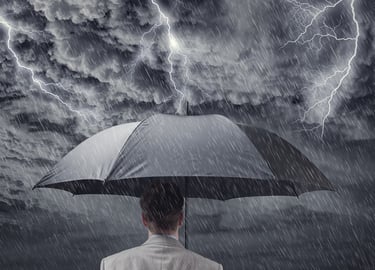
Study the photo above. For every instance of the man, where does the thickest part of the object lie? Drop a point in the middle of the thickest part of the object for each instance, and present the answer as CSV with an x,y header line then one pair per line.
x,y
162,214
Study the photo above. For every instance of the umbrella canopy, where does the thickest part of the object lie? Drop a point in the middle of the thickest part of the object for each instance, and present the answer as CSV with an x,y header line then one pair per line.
x,y
208,156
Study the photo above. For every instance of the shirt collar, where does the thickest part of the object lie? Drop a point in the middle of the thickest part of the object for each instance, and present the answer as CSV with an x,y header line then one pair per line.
x,y
163,239
169,235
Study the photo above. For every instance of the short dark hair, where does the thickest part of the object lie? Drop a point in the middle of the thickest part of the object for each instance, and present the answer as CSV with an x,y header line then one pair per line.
x,y
162,204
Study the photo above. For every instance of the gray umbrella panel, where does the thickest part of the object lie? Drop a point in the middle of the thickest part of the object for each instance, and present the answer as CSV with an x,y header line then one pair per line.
x,y
93,159
287,162
208,156
178,146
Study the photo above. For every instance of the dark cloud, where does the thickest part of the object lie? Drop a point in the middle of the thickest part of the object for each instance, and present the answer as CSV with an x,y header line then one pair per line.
x,y
90,54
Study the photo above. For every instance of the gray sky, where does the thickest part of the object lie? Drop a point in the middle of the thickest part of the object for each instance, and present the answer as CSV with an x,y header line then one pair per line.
x,y
99,69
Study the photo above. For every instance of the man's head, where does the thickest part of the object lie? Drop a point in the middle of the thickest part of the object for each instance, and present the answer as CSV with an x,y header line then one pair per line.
x,y
162,208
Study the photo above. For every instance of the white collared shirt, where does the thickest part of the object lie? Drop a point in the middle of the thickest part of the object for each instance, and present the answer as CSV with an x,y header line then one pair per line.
x,y
169,235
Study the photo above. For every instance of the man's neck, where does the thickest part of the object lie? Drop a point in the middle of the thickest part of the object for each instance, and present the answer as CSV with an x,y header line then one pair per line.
x,y
173,234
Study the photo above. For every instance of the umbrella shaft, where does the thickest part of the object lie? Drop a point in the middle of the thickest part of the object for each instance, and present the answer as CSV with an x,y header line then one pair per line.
x,y
185,213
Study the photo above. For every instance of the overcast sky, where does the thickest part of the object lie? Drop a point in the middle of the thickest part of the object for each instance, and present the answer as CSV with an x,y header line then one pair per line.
x,y
99,63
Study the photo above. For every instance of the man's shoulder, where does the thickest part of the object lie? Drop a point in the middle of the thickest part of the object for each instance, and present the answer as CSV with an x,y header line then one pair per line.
x,y
124,254
123,257
138,254
202,262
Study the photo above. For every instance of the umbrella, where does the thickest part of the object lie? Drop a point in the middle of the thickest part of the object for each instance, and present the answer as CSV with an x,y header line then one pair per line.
x,y
207,156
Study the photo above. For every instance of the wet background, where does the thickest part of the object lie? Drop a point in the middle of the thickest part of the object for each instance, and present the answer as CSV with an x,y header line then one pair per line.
x,y
104,73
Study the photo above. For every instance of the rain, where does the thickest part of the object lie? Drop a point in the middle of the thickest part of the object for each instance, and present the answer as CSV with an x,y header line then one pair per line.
x,y
302,70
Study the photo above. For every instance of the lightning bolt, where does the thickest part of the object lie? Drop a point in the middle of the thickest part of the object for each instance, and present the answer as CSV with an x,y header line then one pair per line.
x,y
41,84
173,48
340,74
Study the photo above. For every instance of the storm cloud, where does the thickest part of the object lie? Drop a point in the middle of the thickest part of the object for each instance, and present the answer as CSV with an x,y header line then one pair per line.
x,y
99,69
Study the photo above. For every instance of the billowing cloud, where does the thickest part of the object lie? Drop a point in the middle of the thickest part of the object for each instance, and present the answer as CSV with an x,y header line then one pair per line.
x,y
92,56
